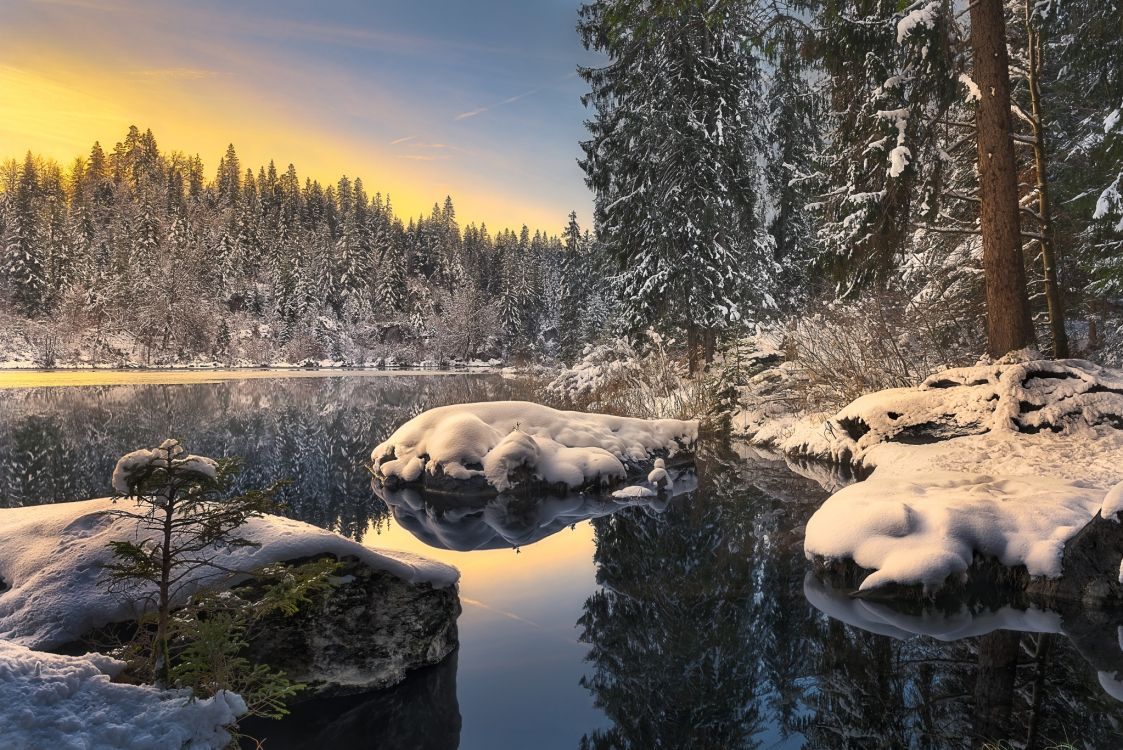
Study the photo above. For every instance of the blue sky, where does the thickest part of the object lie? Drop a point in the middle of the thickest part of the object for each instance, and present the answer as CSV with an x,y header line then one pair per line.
x,y
421,99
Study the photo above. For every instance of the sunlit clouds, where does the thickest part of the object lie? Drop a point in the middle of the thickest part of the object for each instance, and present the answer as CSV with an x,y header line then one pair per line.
x,y
418,101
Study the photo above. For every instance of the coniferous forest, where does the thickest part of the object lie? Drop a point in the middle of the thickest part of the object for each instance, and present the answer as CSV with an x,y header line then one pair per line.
x,y
752,164
137,256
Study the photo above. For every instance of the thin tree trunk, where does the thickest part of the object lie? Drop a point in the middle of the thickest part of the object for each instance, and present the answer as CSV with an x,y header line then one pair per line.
x,y
1054,295
1008,320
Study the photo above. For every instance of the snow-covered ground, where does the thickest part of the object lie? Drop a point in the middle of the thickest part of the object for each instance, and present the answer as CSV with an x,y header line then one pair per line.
x,y
69,703
496,442
52,555
1007,460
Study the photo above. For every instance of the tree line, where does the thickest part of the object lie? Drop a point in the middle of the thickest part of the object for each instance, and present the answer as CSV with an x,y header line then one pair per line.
x,y
137,247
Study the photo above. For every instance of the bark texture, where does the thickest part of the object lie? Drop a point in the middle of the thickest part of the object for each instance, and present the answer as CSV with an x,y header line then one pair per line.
x,y
1008,319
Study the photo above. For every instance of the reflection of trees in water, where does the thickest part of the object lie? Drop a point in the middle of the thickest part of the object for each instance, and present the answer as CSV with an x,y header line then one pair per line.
x,y
61,443
668,628
702,637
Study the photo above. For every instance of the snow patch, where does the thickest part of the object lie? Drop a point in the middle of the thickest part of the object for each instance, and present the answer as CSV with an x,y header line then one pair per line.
x,y
69,703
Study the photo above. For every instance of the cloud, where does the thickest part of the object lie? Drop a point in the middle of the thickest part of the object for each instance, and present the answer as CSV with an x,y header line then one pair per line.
x,y
424,157
177,74
508,100
471,113
405,139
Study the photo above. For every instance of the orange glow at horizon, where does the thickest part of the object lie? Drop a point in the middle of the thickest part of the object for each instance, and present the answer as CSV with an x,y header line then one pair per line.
x,y
55,102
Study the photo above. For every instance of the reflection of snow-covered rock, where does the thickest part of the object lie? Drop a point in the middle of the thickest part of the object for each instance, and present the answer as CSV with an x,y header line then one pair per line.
x,y
400,609
517,446
1095,636
505,521
52,701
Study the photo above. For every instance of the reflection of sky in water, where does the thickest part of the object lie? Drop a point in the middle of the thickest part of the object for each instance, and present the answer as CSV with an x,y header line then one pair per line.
x,y
520,661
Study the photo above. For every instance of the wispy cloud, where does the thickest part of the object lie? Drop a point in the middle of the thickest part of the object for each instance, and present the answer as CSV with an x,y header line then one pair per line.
x,y
508,100
471,113
404,139
177,74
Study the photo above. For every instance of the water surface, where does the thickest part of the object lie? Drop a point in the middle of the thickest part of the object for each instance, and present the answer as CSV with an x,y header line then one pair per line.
x,y
681,624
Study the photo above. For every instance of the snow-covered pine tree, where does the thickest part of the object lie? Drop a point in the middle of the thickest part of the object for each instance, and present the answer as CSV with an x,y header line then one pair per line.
x,y
672,160
794,112
572,302
24,261
890,76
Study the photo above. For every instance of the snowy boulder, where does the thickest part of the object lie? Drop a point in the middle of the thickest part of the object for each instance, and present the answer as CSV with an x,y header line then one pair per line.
x,y
52,701
517,446
929,528
1038,396
389,612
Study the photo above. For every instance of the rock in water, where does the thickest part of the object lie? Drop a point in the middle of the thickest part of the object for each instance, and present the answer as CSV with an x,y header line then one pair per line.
x,y
517,446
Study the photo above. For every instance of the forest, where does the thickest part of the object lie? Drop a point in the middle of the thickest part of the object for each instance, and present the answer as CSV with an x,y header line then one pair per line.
x,y
810,168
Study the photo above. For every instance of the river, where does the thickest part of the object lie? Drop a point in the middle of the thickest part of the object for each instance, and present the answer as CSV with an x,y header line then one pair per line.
x,y
586,624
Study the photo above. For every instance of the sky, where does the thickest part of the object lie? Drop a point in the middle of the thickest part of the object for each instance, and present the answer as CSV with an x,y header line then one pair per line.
x,y
420,98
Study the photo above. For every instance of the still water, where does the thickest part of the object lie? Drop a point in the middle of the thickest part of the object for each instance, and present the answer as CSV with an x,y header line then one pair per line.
x,y
589,624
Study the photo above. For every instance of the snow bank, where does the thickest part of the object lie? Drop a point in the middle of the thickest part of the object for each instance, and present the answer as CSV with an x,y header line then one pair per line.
x,y
1007,461
51,558
925,528
69,703
1062,397
498,443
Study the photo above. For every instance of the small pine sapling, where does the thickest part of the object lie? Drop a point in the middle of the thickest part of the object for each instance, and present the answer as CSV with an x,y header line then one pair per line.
x,y
182,518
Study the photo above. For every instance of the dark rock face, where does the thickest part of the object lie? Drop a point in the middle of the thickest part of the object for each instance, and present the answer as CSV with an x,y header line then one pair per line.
x,y
421,713
365,634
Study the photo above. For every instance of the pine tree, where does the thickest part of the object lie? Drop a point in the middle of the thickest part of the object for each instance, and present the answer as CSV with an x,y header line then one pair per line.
x,y
572,301
24,261
672,161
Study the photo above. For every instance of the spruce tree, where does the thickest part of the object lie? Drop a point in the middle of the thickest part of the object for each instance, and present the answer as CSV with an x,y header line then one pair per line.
x,y
671,159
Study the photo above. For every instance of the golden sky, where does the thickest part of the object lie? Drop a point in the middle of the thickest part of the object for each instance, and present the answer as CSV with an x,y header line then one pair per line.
x,y
418,99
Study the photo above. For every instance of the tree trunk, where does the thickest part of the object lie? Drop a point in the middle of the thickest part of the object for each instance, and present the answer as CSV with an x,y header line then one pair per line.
x,y
1008,321
1054,295
995,678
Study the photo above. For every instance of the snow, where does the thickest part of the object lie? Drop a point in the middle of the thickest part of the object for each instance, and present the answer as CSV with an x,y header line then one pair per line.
x,y
69,703
924,16
924,528
139,461
973,92
1006,460
52,555
634,492
491,440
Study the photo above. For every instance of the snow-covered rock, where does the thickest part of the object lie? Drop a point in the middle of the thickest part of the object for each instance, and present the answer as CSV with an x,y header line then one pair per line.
x,y
925,528
69,703
1061,397
510,446
1010,462
51,559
